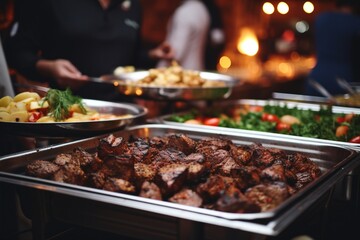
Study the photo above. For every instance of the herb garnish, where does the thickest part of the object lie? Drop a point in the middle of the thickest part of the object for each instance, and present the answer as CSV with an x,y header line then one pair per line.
x,y
60,103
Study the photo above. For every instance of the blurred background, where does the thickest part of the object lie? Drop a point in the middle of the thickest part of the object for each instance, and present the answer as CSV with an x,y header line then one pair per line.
x,y
265,41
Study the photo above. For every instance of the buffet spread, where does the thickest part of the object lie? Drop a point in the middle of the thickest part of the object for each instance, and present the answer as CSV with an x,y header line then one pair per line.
x,y
250,165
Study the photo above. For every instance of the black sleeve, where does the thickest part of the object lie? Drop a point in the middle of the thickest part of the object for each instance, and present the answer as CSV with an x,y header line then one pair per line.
x,y
23,46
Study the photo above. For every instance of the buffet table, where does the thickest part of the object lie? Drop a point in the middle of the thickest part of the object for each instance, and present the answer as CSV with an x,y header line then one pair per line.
x,y
63,211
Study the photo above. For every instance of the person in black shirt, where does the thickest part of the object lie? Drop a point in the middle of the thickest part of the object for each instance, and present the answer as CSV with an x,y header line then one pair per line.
x,y
67,41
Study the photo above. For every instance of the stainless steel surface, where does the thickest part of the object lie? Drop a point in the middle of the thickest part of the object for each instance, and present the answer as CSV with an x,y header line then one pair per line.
x,y
334,160
299,97
255,102
130,88
78,129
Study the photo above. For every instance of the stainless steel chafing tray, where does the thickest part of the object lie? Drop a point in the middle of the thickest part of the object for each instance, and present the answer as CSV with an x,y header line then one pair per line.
x,y
130,113
334,161
255,102
127,85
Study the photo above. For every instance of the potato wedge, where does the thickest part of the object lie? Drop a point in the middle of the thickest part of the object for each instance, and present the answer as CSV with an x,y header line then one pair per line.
x,y
4,117
21,116
24,95
4,101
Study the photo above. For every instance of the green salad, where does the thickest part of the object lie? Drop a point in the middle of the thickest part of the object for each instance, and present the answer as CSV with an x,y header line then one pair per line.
x,y
322,124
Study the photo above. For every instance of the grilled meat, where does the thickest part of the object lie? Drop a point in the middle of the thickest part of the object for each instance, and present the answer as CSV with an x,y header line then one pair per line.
x,y
70,173
112,145
182,143
42,169
211,172
187,197
171,178
268,195
119,185
150,190
233,200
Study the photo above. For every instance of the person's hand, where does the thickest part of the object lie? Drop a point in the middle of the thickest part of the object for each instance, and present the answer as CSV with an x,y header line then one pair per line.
x,y
65,73
163,51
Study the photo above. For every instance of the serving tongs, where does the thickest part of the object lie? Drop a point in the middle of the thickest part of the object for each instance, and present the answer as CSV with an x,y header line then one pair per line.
x,y
321,89
346,86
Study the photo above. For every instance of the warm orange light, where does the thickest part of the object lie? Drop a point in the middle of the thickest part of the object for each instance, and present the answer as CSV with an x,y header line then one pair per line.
x,y
283,8
138,92
286,70
308,7
225,62
248,43
268,8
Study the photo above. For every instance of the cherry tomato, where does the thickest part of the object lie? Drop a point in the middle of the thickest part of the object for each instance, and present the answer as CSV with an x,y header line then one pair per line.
x,y
211,121
355,139
255,108
34,116
199,119
281,127
340,119
341,130
348,117
269,117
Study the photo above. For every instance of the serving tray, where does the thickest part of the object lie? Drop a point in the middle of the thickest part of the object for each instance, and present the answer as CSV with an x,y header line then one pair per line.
x,y
165,119
79,129
126,84
334,160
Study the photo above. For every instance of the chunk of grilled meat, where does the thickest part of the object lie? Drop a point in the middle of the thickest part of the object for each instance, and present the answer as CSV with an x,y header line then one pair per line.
x,y
171,178
164,157
144,172
233,200
42,169
264,157
241,154
187,197
120,166
138,148
119,185
301,163
268,195
273,173
112,145
150,190
212,189
249,175
215,142
70,173
182,143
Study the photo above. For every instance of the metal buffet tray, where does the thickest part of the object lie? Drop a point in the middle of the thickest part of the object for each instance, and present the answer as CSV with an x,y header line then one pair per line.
x,y
334,160
255,102
79,129
126,84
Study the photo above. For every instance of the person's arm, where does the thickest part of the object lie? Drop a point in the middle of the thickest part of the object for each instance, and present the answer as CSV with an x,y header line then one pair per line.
x,y
63,71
